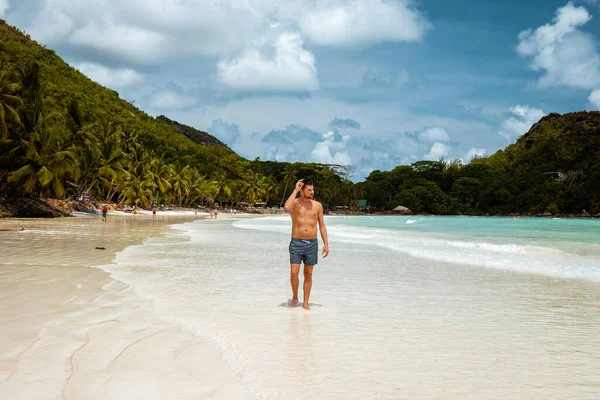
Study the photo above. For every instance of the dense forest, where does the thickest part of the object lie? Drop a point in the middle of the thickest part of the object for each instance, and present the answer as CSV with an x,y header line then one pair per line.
x,y
64,136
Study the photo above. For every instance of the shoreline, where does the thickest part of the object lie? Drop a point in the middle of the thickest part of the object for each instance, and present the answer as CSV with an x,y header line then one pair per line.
x,y
74,331
18,208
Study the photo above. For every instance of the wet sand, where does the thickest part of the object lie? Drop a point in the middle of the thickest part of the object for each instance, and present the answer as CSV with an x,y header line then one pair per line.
x,y
70,331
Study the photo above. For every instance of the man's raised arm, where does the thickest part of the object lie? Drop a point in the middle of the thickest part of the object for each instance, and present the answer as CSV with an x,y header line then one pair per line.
x,y
289,204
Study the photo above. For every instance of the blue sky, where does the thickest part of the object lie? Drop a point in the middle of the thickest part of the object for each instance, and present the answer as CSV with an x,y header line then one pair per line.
x,y
370,83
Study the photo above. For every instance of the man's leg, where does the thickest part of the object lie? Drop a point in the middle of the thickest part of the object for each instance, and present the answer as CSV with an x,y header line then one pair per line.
x,y
294,272
308,271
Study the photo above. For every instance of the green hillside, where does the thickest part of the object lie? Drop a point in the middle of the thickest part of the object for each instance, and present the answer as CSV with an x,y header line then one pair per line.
x,y
558,162
554,168
61,85
64,135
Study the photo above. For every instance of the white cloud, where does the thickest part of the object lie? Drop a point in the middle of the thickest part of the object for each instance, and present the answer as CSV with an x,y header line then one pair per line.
x,y
218,28
594,98
170,99
435,134
363,22
520,120
4,5
226,132
292,68
475,151
250,38
379,129
437,151
148,31
109,77
124,41
324,152
278,153
566,55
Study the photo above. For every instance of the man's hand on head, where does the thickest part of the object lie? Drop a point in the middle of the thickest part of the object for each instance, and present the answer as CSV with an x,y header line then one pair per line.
x,y
299,185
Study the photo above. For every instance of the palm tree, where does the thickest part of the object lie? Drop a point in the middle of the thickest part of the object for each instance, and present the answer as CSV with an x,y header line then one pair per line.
x,y
138,183
180,182
223,187
137,191
46,161
161,173
270,188
31,93
112,156
101,157
254,187
289,175
201,188
9,102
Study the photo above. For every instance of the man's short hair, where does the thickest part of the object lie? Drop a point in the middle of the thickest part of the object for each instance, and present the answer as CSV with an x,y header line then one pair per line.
x,y
307,182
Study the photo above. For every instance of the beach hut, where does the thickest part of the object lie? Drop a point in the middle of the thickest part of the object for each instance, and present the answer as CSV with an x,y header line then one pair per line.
x,y
402,210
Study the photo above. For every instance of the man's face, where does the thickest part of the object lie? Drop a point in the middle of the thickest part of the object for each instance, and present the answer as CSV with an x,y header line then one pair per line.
x,y
308,191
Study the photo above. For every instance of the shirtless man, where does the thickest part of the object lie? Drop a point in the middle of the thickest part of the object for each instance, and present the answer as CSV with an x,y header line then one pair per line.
x,y
304,246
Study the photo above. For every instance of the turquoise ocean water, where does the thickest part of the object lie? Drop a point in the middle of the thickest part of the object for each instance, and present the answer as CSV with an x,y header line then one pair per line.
x,y
551,246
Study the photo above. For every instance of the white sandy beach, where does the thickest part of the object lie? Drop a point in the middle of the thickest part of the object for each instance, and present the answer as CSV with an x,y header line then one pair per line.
x,y
72,332
197,311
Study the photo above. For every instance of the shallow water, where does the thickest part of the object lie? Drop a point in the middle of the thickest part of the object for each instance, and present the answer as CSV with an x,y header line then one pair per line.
x,y
403,307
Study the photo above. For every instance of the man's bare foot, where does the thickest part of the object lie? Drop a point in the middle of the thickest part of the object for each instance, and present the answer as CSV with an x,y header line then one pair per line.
x,y
294,302
305,306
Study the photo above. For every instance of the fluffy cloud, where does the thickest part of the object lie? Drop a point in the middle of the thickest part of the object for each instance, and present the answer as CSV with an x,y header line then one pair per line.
x,y
359,23
226,132
566,55
406,148
4,4
325,151
125,42
293,133
435,134
594,98
277,153
111,77
475,151
148,31
519,121
437,151
170,97
292,68
299,144
206,27
257,43
169,100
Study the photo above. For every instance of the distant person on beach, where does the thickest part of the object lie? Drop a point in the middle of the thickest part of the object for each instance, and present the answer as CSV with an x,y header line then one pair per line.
x,y
304,246
104,212
154,212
